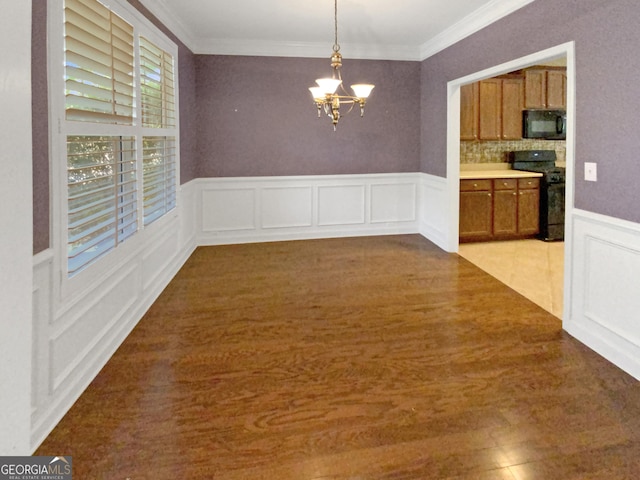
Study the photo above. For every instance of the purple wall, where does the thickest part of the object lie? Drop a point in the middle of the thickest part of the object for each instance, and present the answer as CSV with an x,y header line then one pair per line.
x,y
256,117
40,126
607,89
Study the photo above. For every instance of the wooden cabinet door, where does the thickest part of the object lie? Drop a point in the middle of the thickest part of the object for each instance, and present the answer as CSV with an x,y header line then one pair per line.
x,y
469,111
476,208
528,206
490,94
505,207
512,105
535,88
557,89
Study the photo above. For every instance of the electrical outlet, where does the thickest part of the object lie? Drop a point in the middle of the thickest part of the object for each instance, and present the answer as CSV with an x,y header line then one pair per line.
x,y
591,172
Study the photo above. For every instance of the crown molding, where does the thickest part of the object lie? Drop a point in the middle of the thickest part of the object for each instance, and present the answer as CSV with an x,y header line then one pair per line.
x,y
217,46
163,13
472,23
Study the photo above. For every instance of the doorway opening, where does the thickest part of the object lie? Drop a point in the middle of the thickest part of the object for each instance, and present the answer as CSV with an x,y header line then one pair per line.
x,y
511,266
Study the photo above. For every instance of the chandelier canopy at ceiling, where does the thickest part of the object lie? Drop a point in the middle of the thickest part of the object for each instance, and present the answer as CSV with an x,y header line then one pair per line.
x,y
324,94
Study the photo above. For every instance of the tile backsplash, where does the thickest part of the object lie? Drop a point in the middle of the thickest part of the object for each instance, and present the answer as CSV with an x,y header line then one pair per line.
x,y
498,151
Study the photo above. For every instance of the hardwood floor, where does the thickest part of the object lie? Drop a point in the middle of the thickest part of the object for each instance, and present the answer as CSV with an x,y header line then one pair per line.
x,y
359,358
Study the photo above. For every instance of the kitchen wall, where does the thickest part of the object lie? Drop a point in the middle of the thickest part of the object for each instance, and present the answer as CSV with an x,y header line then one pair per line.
x,y
606,46
498,151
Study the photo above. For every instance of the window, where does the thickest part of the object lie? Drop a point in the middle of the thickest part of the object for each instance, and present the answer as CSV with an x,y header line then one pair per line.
x,y
159,176
158,112
119,128
99,63
97,167
156,76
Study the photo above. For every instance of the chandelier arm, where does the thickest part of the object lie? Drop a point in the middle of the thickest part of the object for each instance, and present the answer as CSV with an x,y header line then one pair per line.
x,y
353,104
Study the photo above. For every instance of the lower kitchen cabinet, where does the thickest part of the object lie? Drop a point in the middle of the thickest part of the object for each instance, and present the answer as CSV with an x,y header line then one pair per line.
x,y
477,204
499,208
505,206
528,206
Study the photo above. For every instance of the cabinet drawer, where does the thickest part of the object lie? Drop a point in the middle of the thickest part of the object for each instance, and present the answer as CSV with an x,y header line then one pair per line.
x,y
475,185
524,183
505,183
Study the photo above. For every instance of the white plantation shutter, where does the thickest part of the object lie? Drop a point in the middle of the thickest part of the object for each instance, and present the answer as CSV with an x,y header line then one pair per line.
x,y
157,86
159,176
158,113
99,64
102,196
117,127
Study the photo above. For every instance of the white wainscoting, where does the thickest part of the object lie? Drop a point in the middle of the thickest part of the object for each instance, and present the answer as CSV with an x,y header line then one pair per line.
x,y
74,336
259,209
433,209
604,271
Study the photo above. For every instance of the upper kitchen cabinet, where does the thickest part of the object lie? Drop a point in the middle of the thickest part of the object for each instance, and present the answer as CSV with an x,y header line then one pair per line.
x,y
557,89
490,127
512,106
500,108
469,111
492,109
545,88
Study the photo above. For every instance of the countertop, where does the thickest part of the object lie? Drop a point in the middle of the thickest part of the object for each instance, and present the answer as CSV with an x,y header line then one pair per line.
x,y
493,170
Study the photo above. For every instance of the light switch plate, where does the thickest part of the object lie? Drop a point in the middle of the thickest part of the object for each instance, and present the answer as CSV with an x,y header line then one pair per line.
x,y
591,172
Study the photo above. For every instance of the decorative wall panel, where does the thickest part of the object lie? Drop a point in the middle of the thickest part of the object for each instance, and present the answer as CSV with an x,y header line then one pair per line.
x,y
604,271
341,205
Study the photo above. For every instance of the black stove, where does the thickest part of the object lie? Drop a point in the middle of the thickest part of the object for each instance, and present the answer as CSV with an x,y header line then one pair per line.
x,y
552,189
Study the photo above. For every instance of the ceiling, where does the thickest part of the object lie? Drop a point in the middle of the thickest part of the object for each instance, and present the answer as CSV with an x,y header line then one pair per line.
x,y
369,29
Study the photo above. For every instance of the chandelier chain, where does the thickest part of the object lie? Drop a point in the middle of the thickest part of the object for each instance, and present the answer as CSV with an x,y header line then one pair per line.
x,y
336,45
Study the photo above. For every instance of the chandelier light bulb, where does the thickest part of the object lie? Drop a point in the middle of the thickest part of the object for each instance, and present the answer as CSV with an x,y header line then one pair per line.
x,y
317,93
362,90
328,85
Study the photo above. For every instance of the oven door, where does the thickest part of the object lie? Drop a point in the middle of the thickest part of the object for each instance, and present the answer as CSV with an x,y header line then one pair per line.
x,y
552,203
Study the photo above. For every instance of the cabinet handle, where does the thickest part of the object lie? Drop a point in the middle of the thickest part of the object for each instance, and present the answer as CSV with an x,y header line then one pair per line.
x,y
475,185
516,193
505,184
489,194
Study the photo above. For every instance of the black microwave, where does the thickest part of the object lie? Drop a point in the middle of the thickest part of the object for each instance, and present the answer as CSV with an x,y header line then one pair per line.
x,y
545,124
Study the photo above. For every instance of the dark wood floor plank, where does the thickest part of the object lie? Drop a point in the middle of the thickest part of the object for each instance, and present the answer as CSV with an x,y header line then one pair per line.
x,y
359,358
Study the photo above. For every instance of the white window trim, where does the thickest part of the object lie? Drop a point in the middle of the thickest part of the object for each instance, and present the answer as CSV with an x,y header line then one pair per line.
x,y
67,288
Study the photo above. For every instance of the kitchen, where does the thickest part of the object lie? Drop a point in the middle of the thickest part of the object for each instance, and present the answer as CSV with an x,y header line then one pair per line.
x,y
512,179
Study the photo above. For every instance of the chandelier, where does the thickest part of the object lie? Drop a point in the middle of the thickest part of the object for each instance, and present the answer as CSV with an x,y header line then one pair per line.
x,y
324,95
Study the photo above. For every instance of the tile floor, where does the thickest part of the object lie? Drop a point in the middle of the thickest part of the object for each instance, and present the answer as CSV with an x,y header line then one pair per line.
x,y
533,268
